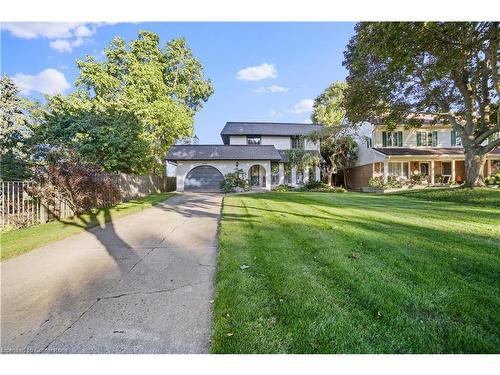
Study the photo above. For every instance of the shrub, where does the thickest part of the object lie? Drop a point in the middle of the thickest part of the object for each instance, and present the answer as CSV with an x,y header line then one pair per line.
x,y
493,180
282,188
377,182
392,182
320,187
235,182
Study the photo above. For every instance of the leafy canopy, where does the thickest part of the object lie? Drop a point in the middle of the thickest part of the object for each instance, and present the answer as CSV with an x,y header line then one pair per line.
x,y
130,107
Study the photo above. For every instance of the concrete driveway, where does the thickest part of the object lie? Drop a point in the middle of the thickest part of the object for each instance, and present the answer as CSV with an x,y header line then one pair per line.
x,y
142,284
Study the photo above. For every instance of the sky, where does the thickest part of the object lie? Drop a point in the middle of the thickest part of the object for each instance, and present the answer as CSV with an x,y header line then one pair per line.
x,y
260,71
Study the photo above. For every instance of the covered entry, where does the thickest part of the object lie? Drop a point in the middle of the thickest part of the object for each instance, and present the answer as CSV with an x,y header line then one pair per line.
x,y
203,178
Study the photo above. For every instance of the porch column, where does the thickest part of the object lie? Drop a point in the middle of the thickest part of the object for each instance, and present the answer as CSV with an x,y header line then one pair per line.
x,y
294,176
281,174
452,171
432,172
317,173
306,175
490,173
401,173
386,170
268,176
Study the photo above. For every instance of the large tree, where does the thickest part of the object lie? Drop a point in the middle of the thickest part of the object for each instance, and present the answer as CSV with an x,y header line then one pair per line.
x,y
447,69
18,117
338,146
131,106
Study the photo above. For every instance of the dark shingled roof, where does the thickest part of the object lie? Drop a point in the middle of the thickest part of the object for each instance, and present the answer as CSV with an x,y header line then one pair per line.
x,y
401,151
284,155
223,152
266,128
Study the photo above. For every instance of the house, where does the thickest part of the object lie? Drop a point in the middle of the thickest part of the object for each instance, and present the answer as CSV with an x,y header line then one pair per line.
x,y
432,152
260,149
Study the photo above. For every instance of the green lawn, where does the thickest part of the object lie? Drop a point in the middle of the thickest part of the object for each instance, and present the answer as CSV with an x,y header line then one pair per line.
x,y
357,273
20,241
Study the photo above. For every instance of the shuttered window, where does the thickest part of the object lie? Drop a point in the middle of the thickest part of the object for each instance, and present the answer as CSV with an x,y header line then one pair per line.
x,y
392,139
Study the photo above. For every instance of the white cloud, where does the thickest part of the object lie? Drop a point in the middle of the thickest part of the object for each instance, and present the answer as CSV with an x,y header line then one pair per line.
x,y
304,106
49,81
63,36
275,113
257,73
272,88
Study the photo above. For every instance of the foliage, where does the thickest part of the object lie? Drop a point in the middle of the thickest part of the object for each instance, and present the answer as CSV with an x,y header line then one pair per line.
x,y
418,178
357,273
449,70
301,159
18,118
493,180
378,182
320,187
83,185
235,182
282,188
337,143
131,106
23,240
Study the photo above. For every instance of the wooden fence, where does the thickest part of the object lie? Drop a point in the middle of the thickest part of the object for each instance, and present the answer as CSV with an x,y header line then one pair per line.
x,y
18,208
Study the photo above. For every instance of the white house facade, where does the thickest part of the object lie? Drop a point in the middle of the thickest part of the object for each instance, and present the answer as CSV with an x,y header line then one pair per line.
x,y
432,151
259,149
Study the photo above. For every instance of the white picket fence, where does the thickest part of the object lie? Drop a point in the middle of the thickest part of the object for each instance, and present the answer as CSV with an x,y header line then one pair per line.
x,y
19,208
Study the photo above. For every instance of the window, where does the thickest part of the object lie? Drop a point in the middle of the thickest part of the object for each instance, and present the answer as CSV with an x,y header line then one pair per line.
x,y
297,141
394,169
392,139
253,140
446,168
455,139
369,143
406,170
299,177
427,139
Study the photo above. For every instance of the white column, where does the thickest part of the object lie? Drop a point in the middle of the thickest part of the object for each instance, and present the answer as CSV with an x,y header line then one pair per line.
x,y
294,176
306,175
386,170
452,171
401,174
268,176
318,173
432,172
490,173
281,174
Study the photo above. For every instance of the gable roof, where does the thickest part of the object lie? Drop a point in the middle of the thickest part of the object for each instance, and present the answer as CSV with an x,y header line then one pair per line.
x,y
266,128
222,152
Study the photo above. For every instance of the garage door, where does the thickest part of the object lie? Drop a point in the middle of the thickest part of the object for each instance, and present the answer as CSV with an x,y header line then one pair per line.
x,y
203,178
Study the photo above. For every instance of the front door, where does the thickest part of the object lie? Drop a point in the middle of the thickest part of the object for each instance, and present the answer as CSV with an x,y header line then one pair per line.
x,y
254,175
424,169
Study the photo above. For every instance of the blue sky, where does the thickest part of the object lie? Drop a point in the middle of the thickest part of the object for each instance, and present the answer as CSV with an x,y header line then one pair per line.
x,y
290,63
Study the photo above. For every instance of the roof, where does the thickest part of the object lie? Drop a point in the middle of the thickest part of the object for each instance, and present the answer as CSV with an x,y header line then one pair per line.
x,y
223,152
284,155
266,128
401,151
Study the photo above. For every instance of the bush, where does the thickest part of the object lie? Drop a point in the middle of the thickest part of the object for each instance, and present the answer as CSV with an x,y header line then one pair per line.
x,y
392,182
378,182
282,188
320,187
493,180
235,182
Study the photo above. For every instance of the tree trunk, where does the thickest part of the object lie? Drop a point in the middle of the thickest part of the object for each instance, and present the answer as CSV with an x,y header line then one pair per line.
x,y
474,163
329,178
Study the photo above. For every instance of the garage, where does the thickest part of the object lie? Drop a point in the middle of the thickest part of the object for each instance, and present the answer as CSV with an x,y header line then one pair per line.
x,y
203,178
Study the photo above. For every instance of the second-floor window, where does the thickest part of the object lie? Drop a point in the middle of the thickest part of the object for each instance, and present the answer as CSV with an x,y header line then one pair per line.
x,y
392,139
427,139
297,141
253,140
455,139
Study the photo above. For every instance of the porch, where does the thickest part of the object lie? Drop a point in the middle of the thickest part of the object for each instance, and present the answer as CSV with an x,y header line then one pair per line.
x,y
285,174
428,171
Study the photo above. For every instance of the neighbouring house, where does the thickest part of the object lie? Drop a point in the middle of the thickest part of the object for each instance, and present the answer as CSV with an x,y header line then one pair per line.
x,y
259,149
432,153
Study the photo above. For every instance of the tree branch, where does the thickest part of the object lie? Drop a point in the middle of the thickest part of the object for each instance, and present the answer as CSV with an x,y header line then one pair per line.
x,y
490,146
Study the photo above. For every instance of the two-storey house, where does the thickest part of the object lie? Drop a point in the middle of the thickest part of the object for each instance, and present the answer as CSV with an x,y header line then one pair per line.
x,y
259,149
433,152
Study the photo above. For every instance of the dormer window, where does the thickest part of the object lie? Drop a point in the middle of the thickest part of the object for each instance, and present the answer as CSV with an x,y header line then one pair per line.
x,y
297,142
253,140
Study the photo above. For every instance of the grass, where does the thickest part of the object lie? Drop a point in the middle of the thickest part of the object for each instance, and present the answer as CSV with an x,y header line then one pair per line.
x,y
358,273
20,241
487,197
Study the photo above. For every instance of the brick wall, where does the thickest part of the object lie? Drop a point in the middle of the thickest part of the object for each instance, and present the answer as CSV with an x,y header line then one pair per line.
x,y
359,176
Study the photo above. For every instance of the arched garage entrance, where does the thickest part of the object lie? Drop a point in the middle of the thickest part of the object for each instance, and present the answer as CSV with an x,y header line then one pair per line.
x,y
203,178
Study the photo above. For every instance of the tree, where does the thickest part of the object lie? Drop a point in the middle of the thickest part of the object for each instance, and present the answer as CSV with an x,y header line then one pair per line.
x,y
447,69
130,107
338,146
18,117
